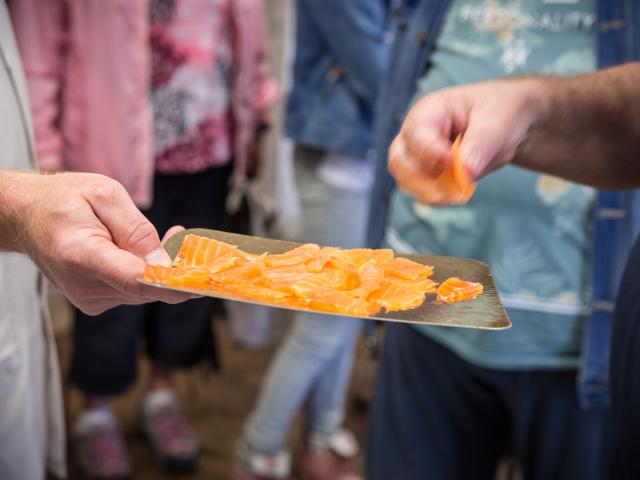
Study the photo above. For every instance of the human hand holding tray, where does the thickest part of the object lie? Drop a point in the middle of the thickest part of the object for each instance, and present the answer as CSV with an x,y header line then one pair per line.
x,y
484,312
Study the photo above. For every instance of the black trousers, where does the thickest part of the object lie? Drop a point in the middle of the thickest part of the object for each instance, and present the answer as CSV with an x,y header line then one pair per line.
x,y
435,416
177,336
625,373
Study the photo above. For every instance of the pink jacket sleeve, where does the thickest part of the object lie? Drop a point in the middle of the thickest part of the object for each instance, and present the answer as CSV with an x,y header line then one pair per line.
x,y
266,89
41,34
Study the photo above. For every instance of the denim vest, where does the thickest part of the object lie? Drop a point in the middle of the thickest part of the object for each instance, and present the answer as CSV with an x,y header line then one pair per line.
x,y
341,58
617,214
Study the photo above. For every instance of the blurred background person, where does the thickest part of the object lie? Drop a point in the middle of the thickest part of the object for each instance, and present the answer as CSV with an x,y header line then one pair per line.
x,y
88,67
450,403
339,62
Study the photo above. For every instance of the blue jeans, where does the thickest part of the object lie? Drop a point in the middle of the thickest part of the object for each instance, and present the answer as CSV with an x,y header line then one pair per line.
x,y
436,416
314,362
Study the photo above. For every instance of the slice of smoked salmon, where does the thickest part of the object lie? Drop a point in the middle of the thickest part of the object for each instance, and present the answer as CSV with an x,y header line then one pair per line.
x,y
195,277
360,256
281,278
188,277
297,256
157,273
371,276
456,180
346,278
187,251
344,304
311,286
197,250
325,254
427,285
354,282
407,269
223,263
250,273
322,297
395,297
340,261
293,302
466,187
454,290
256,292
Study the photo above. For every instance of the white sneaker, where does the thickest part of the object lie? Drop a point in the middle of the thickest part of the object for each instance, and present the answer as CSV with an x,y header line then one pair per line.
x,y
99,447
343,443
172,440
253,465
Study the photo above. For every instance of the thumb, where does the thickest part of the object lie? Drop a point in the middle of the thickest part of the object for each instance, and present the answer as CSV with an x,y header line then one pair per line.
x,y
171,232
160,256
484,143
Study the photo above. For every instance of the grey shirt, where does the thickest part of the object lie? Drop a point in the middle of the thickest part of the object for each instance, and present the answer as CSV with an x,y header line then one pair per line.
x,y
31,415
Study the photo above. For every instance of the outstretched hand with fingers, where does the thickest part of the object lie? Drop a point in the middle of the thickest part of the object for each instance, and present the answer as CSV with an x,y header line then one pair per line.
x,y
493,123
86,235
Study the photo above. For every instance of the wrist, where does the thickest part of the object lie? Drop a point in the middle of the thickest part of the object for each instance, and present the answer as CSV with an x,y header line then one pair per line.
x,y
534,100
17,197
538,100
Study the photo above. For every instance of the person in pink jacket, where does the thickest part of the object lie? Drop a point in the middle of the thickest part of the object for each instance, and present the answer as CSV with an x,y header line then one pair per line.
x,y
176,124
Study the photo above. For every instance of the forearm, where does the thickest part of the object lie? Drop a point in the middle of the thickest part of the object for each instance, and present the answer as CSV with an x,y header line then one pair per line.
x,y
587,129
14,207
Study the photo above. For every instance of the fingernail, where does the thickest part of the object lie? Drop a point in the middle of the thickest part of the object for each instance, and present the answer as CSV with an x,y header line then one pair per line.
x,y
194,296
158,257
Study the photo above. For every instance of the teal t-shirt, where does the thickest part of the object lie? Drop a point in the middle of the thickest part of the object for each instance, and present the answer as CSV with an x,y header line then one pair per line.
x,y
532,229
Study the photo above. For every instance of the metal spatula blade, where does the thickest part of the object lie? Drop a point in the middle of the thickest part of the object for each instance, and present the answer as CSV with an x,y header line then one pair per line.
x,y
485,312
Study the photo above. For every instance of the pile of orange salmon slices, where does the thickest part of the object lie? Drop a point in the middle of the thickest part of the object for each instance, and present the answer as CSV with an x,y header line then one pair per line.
x,y
356,282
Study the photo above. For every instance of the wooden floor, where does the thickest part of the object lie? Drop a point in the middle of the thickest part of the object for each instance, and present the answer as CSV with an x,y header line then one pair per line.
x,y
215,403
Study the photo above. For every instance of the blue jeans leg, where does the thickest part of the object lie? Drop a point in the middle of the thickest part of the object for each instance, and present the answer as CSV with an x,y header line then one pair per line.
x,y
314,363
315,344
326,400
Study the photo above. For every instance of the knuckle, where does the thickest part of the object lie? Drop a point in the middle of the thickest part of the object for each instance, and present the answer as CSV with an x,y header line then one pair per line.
x,y
395,157
105,188
421,151
102,192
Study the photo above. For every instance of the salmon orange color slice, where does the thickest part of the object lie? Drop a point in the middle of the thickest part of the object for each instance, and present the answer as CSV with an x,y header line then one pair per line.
x,y
357,282
394,297
456,180
188,277
301,254
407,269
455,290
